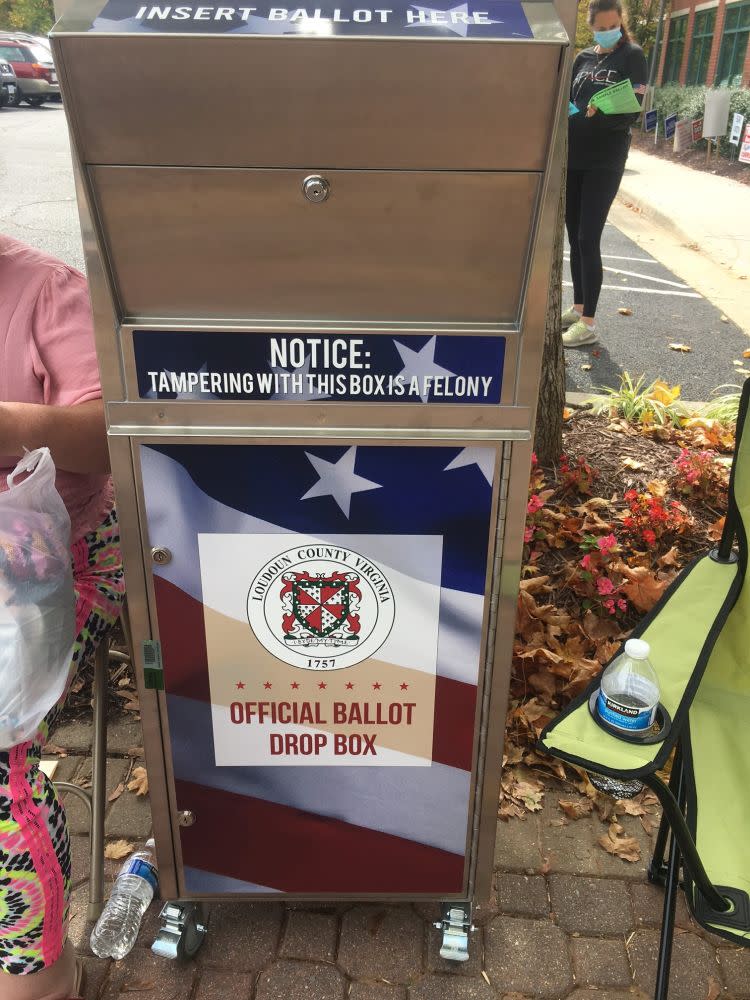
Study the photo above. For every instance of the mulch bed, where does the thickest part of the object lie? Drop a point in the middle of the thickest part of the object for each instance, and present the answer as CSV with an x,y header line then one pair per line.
x,y
695,157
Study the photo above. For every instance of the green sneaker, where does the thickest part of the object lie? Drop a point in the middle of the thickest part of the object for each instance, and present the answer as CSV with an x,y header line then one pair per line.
x,y
579,335
568,318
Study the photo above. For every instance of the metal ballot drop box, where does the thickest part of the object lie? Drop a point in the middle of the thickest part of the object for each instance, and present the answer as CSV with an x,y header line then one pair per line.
x,y
318,242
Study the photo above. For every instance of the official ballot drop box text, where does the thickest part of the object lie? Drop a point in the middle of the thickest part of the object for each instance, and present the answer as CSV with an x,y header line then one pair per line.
x,y
318,242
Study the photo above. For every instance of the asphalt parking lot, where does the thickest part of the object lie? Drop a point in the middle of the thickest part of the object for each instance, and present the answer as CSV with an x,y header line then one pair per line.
x,y
38,206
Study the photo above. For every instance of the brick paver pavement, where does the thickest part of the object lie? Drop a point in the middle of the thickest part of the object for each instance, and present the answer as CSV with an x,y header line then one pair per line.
x,y
566,920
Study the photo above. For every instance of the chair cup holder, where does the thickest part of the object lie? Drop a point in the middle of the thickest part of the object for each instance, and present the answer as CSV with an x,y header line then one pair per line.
x,y
656,734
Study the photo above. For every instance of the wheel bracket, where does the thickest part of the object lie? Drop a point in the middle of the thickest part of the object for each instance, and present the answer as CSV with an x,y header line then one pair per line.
x,y
456,926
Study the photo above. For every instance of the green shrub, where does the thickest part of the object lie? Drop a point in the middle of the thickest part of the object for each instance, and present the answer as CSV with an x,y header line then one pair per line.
x,y
689,102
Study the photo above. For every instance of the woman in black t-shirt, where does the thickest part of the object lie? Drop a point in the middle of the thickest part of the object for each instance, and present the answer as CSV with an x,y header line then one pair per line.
x,y
597,149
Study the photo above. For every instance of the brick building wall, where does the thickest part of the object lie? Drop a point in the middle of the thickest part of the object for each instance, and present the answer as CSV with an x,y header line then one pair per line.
x,y
690,8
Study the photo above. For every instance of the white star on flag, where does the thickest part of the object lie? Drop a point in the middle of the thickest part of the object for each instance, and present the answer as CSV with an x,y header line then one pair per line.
x,y
420,363
484,458
459,27
339,480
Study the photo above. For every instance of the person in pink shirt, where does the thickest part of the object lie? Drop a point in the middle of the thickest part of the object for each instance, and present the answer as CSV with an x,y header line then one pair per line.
x,y
50,395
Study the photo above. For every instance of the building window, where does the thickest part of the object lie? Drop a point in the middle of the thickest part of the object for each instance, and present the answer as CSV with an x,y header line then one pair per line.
x,y
733,45
675,49
700,47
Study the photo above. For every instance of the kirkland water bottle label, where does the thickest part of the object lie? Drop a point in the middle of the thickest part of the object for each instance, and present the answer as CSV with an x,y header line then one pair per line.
x,y
633,717
144,870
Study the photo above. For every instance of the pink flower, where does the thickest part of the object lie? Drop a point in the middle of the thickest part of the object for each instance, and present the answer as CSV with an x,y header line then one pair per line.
x,y
586,562
607,543
605,586
535,503
528,535
622,604
610,606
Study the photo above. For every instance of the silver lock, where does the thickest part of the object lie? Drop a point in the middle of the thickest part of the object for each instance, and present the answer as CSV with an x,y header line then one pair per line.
x,y
161,556
315,188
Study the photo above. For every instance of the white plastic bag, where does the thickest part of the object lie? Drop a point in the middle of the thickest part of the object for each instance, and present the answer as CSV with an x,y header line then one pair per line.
x,y
37,599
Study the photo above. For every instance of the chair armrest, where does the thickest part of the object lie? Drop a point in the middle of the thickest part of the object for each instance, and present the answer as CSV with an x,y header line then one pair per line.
x,y
681,631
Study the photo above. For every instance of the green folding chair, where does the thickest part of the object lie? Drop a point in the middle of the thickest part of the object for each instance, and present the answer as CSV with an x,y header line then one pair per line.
x,y
699,634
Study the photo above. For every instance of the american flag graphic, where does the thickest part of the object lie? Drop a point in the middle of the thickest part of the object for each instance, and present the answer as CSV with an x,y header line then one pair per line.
x,y
423,512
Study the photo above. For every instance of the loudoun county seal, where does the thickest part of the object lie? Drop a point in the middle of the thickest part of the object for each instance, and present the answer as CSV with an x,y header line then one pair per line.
x,y
321,607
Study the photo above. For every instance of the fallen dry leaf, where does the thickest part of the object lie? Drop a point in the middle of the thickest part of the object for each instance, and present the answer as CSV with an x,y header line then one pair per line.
x,y
116,850
576,808
139,782
643,588
585,368
714,989
662,392
723,319
632,463
680,347
138,986
714,531
623,311
57,751
567,413
486,977
746,354
116,793
622,847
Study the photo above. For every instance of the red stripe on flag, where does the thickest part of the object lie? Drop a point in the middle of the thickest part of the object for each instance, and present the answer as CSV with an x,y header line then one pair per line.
x,y
182,634
453,736
294,851
183,641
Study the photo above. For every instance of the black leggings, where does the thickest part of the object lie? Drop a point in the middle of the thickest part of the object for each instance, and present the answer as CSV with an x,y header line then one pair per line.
x,y
589,197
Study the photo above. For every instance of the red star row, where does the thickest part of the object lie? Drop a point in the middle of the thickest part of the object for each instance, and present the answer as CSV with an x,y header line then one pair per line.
x,y
322,685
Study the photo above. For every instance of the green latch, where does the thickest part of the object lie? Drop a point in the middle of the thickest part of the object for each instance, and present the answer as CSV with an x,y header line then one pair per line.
x,y
153,669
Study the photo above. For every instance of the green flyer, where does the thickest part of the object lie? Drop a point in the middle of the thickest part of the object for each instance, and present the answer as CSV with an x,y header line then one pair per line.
x,y
618,99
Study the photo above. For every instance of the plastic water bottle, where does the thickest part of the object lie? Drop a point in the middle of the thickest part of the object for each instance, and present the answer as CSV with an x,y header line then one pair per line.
x,y
117,928
629,690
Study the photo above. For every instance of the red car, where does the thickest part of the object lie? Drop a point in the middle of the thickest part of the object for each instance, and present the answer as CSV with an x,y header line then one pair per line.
x,y
35,71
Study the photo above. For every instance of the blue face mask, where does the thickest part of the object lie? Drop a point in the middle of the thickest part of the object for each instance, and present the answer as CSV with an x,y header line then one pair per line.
x,y
608,39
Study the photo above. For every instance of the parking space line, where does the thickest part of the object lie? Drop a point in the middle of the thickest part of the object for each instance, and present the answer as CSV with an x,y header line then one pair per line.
x,y
648,291
647,277
615,256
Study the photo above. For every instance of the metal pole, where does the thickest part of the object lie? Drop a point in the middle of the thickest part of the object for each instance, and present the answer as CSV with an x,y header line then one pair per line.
x,y
654,52
98,781
670,898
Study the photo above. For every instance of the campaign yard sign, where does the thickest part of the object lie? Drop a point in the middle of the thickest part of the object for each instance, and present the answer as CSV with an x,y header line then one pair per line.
x,y
650,119
670,124
744,156
736,132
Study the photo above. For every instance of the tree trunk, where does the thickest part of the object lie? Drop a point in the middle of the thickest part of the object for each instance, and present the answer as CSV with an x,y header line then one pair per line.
x,y
549,414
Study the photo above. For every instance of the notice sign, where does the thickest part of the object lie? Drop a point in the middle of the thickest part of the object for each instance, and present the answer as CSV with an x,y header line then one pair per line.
x,y
670,124
336,659
650,119
366,368
482,19
697,129
744,156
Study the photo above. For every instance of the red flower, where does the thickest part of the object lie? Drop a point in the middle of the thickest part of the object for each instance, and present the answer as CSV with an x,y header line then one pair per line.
x,y
606,544
535,503
649,536
605,586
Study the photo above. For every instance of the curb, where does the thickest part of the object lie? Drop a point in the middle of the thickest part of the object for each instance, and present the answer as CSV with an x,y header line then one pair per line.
x,y
646,208
579,400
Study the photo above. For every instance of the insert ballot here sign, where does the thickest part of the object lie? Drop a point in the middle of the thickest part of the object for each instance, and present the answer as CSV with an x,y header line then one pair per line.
x,y
480,19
